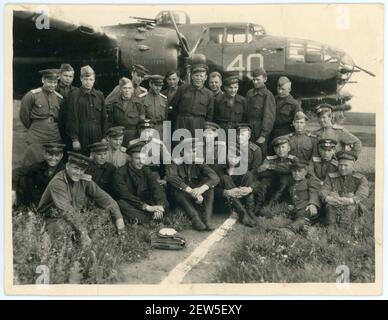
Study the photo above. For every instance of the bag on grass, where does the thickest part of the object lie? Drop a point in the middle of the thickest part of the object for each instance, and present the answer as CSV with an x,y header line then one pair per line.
x,y
168,239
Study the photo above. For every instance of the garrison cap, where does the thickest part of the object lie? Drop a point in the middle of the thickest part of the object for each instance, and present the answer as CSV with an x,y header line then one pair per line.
x,y
78,158
156,79
300,115
87,71
280,140
66,67
283,80
327,143
170,73
135,147
323,108
54,147
115,132
259,72
243,126
346,155
299,164
98,147
210,125
52,74
140,70
231,80
146,124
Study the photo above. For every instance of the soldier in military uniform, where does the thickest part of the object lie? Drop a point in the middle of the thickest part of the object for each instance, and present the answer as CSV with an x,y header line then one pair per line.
x,y
215,84
117,154
261,109
326,162
39,113
67,193
102,172
273,172
138,193
193,103
286,108
125,111
303,144
29,182
255,155
155,104
345,140
86,119
231,108
343,193
193,186
173,82
137,76
66,77
303,189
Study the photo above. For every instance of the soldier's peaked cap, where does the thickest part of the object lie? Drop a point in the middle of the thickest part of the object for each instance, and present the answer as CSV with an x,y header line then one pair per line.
x,y
211,125
140,69
323,107
135,147
327,143
231,80
78,158
52,74
299,164
346,155
98,147
156,79
115,132
146,123
54,147
243,126
280,140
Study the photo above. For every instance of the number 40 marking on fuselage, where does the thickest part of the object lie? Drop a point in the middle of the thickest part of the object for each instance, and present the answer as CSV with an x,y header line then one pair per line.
x,y
253,60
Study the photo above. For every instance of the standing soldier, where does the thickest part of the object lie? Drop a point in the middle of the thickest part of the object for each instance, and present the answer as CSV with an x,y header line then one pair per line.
x,y
67,193
230,109
101,171
140,197
343,193
261,109
193,103
345,140
66,77
29,182
173,81
86,119
326,162
193,186
286,108
303,144
255,155
39,113
124,111
155,104
215,84
117,154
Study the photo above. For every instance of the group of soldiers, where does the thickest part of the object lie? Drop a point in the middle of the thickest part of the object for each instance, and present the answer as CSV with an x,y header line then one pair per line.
x,y
84,150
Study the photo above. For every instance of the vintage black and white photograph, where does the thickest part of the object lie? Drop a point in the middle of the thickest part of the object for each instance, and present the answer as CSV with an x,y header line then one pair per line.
x,y
187,149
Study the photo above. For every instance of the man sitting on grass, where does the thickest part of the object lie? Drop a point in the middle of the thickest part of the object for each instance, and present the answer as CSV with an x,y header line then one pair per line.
x,y
67,193
326,162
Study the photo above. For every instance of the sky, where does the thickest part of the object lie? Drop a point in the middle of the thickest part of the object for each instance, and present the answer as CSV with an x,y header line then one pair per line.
x,y
355,28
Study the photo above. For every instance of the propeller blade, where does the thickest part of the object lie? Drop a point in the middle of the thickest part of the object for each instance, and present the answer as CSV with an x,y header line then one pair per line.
x,y
366,71
200,39
181,42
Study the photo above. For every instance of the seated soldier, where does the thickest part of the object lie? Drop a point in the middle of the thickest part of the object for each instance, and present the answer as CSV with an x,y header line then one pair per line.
x,y
214,153
193,186
255,154
116,152
272,172
326,162
102,172
303,144
345,140
67,193
237,188
29,182
343,192
140,197
303,189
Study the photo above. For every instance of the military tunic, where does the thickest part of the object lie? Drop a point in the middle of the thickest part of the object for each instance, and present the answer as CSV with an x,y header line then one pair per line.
x,y
286,108
321,168
117,157
353,186
102,175
64,89
170,93
86,117
39,113
345,139
228,112
218,96
192,107
29,182
303,145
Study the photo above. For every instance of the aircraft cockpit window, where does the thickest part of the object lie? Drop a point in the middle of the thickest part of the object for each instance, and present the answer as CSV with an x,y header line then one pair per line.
x,y
257,31
235,35
296,52
164,18
216,35
314,53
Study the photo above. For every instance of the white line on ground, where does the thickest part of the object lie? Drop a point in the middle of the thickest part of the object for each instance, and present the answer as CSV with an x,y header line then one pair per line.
x,y
177,274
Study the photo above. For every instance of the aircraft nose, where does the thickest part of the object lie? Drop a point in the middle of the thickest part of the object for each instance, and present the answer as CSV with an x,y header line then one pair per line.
x,y
347,63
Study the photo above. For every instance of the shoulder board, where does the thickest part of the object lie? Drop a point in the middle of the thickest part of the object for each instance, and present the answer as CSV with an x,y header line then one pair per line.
x,y
58,94
162,95
36,90
291,157
334,162
141,95
317,159
143,89
253,146
337,126
291,134
123,149
86,177
334,174
272,157
357,175
309,134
